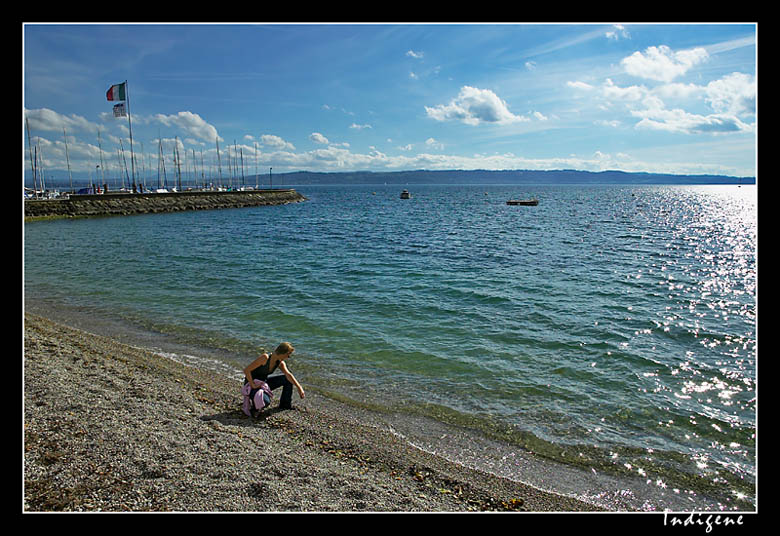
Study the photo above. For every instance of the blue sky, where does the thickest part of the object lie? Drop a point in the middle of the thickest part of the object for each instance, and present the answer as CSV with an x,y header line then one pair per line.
x,y
342,97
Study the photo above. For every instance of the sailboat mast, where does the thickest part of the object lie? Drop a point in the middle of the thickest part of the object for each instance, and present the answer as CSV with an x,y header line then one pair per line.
x,y
41,166
230,167
178,164
202,171
35,166
219,163
165,175
124,160
159,153
194,170
143,168
32,162
67,157
102,167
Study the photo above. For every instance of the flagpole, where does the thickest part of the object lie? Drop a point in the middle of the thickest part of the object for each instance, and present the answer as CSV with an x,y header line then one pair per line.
x,y
130,125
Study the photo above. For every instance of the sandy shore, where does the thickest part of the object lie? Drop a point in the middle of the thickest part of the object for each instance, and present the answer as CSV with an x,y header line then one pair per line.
x,y
110,427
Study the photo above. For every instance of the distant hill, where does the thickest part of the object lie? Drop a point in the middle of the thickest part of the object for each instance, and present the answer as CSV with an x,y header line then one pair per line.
x,y
498,177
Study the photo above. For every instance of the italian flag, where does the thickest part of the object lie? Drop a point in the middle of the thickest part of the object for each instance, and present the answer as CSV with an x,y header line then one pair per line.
x,y
117,92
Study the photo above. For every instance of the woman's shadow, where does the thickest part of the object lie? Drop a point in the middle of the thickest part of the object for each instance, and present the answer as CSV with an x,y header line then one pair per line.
x,y
239,418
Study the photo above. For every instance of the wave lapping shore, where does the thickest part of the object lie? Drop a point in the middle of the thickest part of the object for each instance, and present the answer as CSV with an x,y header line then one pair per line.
x,y
111,427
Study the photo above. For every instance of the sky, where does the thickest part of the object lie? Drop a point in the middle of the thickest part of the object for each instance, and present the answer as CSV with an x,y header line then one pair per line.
x,y
668,98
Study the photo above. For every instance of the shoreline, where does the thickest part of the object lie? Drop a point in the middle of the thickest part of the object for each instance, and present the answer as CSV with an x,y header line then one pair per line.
x,y
112,427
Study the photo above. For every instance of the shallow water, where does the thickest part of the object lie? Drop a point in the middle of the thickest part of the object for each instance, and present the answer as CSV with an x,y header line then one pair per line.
x,y
611,330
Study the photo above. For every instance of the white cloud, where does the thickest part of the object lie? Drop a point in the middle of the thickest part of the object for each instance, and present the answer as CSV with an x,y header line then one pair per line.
x,y
677,120
49,120
433,144
734,94
661,63
617,31
316,137
269,140
83,156
415,55
191,123
630,93
355,126
678,91
474,106
579,85
729,98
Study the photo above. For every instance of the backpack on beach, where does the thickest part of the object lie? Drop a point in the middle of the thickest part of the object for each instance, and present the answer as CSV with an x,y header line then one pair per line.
x,y
257,397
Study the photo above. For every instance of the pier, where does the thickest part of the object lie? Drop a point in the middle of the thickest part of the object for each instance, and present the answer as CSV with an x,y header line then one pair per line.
x,y
116,204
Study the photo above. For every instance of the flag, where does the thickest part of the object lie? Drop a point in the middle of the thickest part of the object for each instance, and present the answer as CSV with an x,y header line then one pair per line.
x,y
116,92
119,110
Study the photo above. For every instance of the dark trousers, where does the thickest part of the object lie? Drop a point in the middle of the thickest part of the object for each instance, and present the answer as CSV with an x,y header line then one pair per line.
x,y
280,380
274,382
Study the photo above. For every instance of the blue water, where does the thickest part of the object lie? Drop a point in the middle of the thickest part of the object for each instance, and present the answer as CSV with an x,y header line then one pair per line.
x,y
609,331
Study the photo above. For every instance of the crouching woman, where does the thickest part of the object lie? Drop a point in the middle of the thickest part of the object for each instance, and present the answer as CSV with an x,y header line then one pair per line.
x,y
262,368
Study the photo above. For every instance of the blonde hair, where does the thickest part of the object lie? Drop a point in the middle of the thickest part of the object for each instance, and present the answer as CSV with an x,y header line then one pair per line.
x,y
284,348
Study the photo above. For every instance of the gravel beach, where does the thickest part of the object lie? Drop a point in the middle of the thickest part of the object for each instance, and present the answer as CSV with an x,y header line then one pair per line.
x,y
110,428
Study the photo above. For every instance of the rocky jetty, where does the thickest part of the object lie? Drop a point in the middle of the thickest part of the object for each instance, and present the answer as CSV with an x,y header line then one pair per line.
x,y
114,204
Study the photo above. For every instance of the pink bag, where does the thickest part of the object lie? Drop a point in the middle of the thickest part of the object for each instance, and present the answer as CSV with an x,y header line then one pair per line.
x,y
260,399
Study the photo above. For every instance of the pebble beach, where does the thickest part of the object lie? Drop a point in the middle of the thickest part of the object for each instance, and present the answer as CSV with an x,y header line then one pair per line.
x,y
110,427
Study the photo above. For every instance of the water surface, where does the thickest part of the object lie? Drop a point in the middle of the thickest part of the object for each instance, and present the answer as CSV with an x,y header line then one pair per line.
x,y
610,331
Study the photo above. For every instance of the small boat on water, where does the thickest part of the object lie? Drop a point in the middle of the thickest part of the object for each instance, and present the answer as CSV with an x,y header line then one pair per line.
x,y
405,194
524,202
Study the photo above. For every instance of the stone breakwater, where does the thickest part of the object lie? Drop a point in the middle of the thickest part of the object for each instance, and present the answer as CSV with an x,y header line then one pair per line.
x,y
115,204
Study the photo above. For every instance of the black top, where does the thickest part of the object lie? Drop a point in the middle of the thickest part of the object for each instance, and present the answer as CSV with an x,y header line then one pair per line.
x,y
262,372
